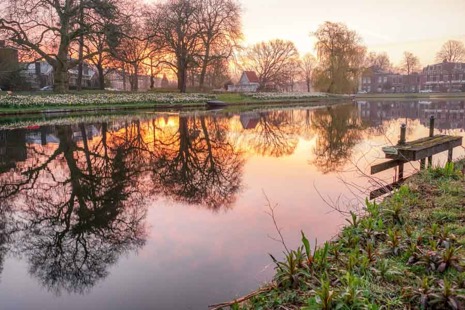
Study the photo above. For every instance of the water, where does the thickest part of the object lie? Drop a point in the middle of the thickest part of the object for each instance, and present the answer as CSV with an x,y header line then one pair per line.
x,y
168,210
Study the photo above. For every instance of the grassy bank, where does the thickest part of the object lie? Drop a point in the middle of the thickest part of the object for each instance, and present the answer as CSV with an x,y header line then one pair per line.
x,y
27,103
404,253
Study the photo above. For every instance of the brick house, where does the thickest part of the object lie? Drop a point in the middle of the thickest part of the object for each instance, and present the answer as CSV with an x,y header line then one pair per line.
x,y
374,80
444,77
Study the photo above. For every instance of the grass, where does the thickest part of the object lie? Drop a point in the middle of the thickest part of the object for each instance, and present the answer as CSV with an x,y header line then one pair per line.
x,y
391,257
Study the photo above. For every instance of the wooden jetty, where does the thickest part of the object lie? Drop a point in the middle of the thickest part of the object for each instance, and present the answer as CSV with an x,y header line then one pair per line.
x,y
418,150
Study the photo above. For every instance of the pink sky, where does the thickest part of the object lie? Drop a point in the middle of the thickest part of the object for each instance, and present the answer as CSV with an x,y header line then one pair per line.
x,y
420,26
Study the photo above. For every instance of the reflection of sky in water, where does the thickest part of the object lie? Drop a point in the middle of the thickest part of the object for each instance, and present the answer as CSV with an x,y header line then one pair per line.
x,y
197,253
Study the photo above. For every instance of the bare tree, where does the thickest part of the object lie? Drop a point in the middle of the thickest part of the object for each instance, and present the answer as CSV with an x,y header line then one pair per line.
x,y
340,54
380,61
270,60
410,63
175,23
451,51
136,43
307,65
220,21
48,28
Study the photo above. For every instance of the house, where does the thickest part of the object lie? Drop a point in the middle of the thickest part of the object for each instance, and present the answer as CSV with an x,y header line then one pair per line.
x,y
444,77
40,74
375,80
8,65
120,80
248,83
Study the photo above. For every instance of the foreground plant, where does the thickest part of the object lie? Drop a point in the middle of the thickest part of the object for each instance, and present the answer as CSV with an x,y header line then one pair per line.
x,y
395,256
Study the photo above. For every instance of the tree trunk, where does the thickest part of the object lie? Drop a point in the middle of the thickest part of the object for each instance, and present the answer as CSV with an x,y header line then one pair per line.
x,y
135,81
124,79
182,75
60,75
81,51
182,80
101,77
204,66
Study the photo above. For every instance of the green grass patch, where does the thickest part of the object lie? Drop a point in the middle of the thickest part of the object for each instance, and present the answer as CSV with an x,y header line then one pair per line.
x,y
404,253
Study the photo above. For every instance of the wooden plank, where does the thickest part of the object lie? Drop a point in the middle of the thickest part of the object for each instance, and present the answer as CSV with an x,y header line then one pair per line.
x,y
425,147
386,189
385,166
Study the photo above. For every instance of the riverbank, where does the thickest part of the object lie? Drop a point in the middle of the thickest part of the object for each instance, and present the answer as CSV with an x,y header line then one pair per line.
x,y
33,103
404,253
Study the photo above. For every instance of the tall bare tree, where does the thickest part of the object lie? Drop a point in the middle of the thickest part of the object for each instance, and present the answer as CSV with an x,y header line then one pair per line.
x,y
137,43
48,28
220,24
307,65
451,51
379,60
270,60
175,23
340,53
410,63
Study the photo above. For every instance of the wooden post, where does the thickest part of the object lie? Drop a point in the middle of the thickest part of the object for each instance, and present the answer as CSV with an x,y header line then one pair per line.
x,y
431,134
423,164
403,131
401,172
449,155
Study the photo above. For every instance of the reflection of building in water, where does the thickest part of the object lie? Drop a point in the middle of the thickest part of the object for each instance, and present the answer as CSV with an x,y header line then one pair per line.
x,y
49,134
448,114
12,148
249,120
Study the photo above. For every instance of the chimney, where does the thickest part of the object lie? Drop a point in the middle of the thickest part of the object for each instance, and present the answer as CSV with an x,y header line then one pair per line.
x,y
2,43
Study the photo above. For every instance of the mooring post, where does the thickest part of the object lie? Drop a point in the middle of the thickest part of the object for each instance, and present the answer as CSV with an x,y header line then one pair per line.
x,y
431,134
403,131
402,140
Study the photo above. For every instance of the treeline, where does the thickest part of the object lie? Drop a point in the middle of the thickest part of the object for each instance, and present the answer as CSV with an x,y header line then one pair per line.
x,y
198,40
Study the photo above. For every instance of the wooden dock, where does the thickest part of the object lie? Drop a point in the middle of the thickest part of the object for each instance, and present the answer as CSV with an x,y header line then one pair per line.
x,y
417,150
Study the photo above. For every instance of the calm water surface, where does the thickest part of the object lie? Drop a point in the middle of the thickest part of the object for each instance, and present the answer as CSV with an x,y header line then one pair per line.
x,y
168,210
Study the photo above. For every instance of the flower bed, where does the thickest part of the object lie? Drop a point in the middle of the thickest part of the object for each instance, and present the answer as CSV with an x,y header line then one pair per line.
x,y
17,101
285,96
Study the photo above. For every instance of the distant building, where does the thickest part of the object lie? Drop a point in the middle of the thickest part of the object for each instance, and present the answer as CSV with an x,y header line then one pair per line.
x,y
8,58
120,80
444,77
374,80
248,83
8,64
40,74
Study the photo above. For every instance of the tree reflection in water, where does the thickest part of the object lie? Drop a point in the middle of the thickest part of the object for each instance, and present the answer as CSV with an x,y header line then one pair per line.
x,y
197,164
338,130
79,205
275,134
78,210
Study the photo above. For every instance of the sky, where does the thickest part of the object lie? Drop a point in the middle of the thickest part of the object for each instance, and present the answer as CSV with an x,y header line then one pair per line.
x,y
395,26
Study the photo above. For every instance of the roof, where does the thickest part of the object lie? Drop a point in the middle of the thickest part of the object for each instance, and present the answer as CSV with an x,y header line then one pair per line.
x,y
251,76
